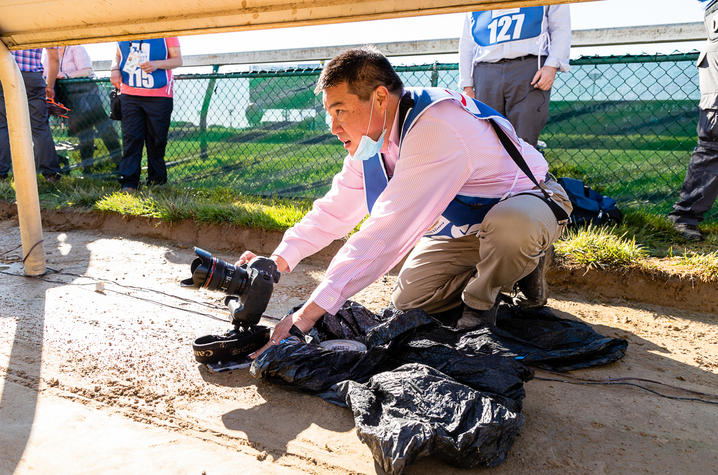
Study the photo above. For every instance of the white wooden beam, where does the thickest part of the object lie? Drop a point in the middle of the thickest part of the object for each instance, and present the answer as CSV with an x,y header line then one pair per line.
x,y
23,164
39,23
679,32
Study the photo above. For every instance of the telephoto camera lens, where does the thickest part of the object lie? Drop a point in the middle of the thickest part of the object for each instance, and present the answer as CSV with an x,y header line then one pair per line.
x,y
215,274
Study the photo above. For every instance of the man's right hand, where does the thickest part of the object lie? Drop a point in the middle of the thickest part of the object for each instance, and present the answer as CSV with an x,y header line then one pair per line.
x,y
469,92
247,256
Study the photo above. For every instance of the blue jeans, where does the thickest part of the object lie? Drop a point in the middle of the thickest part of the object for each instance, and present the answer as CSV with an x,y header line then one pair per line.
x,y
46,161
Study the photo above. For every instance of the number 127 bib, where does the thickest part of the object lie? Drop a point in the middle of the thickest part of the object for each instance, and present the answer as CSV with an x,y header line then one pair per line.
x,y
500,26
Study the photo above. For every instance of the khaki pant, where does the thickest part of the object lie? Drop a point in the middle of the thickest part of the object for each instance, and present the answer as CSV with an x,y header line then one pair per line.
x,y
515,234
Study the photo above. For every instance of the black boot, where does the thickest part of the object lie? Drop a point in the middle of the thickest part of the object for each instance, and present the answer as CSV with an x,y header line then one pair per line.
x,y
449,317
534,286
471,318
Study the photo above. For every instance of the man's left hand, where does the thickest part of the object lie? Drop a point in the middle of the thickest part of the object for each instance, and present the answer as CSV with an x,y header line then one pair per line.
x,y
279,333
50,92
304,319
149,66
544,78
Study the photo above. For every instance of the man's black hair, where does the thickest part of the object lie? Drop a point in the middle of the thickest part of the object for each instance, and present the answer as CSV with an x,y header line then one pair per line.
x,y
363,69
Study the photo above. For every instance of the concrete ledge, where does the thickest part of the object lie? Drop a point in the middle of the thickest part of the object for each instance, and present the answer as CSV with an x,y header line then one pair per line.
x,y
657,288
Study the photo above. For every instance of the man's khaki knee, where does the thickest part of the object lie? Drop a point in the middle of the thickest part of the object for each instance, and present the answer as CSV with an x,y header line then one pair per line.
x,y
435,273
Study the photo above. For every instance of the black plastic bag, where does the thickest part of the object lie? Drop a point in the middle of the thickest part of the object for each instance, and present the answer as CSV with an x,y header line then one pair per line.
x,y
453,379
489,369
313,368
396,323
351,322
541,339
415,410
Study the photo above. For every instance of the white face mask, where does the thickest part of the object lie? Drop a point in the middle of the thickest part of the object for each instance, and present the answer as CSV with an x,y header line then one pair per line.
x,y
367,147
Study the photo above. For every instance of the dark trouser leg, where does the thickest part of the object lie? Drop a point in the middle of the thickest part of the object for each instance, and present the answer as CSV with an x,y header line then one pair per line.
x,y
133,139
97,120
526,106
87,145
489,85
159,113
700,187
5,160
109,136
82,124
45,156
46,160
507,88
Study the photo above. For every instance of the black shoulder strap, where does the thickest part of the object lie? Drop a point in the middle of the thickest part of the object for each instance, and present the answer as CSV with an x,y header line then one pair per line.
x,y
558,211
406,102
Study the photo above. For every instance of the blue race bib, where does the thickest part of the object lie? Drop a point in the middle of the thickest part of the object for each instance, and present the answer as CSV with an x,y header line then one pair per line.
x,y
152,49
501,26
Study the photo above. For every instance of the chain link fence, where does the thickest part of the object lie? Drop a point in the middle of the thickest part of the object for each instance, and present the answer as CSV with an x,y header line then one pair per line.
x,y
626,125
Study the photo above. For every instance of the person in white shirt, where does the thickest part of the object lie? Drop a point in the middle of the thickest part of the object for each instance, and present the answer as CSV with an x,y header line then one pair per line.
x,y
508,60
434,171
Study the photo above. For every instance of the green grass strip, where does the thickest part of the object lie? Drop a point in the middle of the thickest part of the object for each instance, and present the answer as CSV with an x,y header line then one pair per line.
x,y
600,247
642,234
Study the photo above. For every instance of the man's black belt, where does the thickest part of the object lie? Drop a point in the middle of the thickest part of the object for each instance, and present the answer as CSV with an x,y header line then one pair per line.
x,y
520,58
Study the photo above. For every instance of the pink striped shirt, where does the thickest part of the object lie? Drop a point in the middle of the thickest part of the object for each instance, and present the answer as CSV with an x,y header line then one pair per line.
x,y
446,152
72,58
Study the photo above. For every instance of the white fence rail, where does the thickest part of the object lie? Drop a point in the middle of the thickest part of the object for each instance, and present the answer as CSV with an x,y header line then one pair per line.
x,y
677,32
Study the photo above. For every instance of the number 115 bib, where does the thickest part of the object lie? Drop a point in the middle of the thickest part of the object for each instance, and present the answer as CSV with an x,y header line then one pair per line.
x,y
500,26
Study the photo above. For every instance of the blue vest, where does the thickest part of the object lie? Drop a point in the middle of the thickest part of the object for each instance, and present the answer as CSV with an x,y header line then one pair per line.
x,y
493,27
154,49
464,213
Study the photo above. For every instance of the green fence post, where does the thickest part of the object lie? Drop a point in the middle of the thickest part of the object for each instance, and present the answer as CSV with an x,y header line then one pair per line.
x,y
434,75
203,114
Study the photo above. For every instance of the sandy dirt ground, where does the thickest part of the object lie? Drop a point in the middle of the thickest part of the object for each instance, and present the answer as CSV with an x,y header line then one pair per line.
x,y
105,382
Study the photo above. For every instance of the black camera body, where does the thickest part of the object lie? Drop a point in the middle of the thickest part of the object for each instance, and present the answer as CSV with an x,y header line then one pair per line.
x,y
249,288
249,305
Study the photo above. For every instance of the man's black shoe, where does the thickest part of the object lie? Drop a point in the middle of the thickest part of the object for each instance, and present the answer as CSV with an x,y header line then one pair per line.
x,y
689,232
534,286
3,176
449,317
52,178
471,318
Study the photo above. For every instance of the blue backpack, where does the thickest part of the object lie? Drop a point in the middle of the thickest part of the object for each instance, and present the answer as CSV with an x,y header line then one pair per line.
x,y
590,206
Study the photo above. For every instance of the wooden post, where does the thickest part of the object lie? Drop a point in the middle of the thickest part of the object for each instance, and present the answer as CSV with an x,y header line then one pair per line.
x,y
23,164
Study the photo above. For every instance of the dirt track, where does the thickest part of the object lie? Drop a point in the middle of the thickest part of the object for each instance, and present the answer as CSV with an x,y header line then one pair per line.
x,y
96,382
